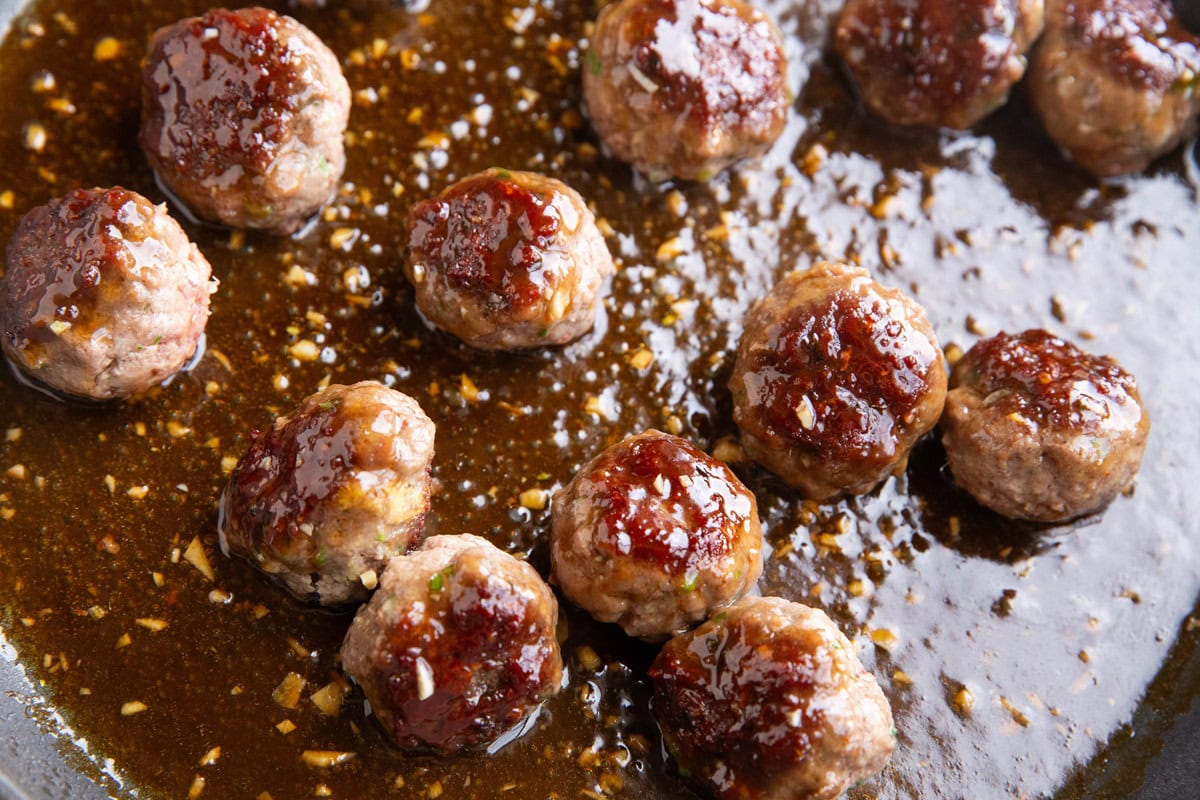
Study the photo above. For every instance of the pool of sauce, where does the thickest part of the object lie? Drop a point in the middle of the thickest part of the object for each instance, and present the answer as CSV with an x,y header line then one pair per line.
x,y
1015,656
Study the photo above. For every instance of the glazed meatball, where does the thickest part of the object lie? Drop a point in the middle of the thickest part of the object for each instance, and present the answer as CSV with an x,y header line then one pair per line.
x,y
1116,83
654,535
507,260
1037,429
937,63
104,296
242,118
457,647
836,378
334,489
685,88
769,701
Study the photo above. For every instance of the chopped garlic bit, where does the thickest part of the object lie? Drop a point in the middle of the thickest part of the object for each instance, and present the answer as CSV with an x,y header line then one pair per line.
x,y
135,707
152,624
198,558
534,499
329,698
425,685
286,727
197,787
369,579
211,757
324,759
287,693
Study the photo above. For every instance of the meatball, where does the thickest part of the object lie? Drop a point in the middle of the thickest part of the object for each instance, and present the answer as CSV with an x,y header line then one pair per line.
x,y
1116,83
104,295
836,378
654,535
685,88
769,700
1037,429
242,118
507,260
457,646
324,498
936,63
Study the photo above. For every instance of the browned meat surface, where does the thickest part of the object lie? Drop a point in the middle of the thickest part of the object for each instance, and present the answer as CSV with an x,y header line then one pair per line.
x,y
334,489
457,647
768,701
937,63
507,260
1037,429
242,117
684,88
104,295
1116,83
654,535
835,380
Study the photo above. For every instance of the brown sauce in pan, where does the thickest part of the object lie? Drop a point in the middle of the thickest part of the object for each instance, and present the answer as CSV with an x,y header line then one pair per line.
x,y
1011,653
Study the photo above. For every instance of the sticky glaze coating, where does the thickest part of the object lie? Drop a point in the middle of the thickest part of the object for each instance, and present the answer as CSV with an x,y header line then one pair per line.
x,y
242,117
104,295
836,378
457,647
768,701
507,260
1037,429
936,63
684,88
654,535
1116,83
332,491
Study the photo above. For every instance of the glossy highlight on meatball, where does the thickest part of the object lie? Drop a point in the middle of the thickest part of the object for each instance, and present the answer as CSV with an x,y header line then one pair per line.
x,y
1116,83
507,260
1037,429
654,535
104,295
457,647
333,490
242,118
685,88
936,63
836,378
768,700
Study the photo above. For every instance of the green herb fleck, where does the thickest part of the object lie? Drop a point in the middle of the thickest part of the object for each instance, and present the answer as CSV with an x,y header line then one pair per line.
x,y
895,733
436,584
690,582
593,62
326,406
502,173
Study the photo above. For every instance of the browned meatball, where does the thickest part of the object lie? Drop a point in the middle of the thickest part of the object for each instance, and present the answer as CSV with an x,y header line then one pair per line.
x,y
685,88
323,499
768,701
937,63
104,295
456,647
1116,83
1037,429
242,117
835,380
654,535
506,260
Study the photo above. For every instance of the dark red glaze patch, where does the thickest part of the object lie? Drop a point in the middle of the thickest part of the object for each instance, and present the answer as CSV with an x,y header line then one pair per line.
x,y
843,378
1047,379
1141,41
487,237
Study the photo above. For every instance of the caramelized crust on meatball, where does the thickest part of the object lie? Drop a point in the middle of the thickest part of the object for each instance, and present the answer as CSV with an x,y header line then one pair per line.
x,y
104,295
1037,429
768,701
1116,83
936,63
654,535
835,380
332,491
685,88
507,260
456,647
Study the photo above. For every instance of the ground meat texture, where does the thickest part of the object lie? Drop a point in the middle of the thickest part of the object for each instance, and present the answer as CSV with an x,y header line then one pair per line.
x,y
457,647
242,118
1037,429
836,378
104,295
936,63
654,535
684,88
768,701
507,260
334,489
1116,83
